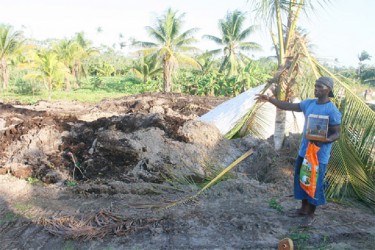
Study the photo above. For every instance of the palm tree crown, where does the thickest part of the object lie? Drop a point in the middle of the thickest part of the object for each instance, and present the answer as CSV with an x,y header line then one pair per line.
x,y
10,42
170,44
233,39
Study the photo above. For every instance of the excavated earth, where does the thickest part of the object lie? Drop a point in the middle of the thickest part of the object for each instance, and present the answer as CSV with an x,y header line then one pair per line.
x,y
118,175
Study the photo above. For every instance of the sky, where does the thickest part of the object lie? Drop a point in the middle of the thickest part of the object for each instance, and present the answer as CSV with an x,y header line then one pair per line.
x,y
339,32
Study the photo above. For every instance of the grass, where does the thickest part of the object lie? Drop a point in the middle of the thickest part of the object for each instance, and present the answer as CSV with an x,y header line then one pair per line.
x,y
9,217
92,90
300,239
71,183
21,207
33,180
81,95
68,245
273,203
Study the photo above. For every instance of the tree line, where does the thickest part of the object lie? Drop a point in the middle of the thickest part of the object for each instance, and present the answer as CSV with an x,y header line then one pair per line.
x,y
171,56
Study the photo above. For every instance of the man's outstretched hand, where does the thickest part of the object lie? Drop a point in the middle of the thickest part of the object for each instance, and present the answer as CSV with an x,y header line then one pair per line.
x,y
263,98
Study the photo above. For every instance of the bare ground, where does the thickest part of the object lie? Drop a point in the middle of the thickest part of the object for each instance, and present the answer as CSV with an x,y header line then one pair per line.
x,y
108,171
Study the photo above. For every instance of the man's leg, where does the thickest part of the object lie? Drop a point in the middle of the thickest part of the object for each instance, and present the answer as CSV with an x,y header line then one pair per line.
x,y
298,192
309,217
304,207
311,209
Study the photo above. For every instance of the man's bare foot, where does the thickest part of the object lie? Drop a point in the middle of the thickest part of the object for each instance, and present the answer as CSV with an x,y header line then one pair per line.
x,y
307,221
296,213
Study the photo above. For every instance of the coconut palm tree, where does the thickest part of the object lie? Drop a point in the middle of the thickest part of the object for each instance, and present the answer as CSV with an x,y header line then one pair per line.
x,y
146,67
352,165
233,39
81,53
10,43
67,51
171,44
290,49
47,68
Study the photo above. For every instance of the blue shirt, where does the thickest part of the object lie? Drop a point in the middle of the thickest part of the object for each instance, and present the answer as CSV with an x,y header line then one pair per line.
x,y
310,106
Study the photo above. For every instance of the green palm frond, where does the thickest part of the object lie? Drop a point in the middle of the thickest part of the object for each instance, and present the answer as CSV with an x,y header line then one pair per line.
x,y
215,39
347,176
351,170
10,40
156,34
249,46
258,123
352,165
187,60
186,37
358,121
246,32
170,43
233,38
146,66
188,49
212,182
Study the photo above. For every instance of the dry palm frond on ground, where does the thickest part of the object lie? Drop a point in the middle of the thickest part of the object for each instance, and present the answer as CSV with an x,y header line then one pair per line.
x,y
96,225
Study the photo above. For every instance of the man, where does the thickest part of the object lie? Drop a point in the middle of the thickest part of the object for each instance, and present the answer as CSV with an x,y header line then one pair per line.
x,y
320,106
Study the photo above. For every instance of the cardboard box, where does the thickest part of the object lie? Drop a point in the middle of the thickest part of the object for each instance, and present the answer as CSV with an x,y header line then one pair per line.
x,y
317,127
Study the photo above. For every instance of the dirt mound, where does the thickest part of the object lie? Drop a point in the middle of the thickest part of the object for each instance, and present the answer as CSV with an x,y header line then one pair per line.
x,y
135,153
107,140
142,138
151,138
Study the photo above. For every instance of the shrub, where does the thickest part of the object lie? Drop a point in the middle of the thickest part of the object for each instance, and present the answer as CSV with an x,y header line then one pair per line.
x,y
27,88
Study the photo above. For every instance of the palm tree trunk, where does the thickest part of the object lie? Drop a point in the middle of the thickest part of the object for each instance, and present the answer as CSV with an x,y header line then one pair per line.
x,y
145,79
167,75
75,77
279,133
5,73
67,84
49,89
279,32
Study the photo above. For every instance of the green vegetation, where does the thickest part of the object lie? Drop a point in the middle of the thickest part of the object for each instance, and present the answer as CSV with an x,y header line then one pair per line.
x,y
22,207
300,239
179,180
232,38
171,45
33,180
9,217
68,245
273,203
71,183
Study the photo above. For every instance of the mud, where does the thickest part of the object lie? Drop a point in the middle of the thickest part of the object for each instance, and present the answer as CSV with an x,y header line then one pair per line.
x,y
134,156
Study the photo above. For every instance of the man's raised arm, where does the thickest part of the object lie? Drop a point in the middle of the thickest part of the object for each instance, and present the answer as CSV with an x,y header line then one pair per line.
x,y
280,104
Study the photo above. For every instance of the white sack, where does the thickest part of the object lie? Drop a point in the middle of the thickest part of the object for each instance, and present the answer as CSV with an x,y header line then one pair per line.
x,y
226,115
